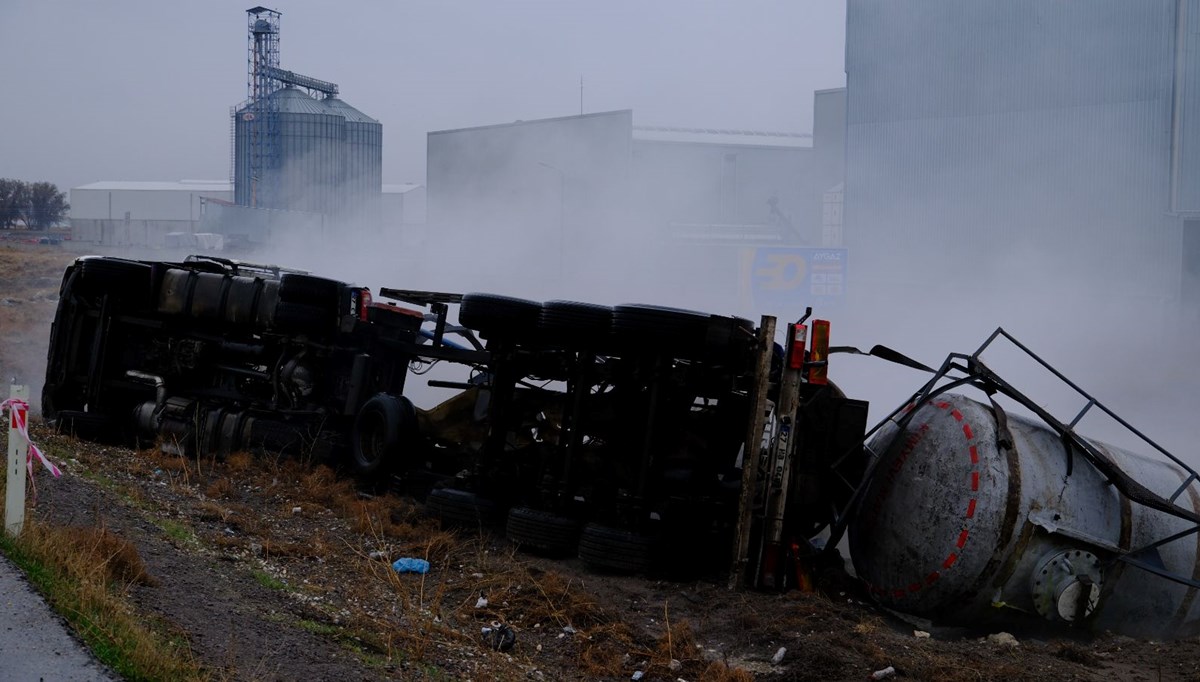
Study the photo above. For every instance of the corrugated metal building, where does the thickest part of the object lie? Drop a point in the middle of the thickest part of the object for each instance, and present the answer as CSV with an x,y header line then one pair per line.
x,y
140,213
593,191
1025,140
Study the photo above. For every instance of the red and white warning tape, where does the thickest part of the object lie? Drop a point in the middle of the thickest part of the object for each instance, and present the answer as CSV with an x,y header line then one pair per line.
x,y
18,410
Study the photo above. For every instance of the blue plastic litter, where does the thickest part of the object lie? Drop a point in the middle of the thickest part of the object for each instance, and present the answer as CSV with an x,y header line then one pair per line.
x,y
409,565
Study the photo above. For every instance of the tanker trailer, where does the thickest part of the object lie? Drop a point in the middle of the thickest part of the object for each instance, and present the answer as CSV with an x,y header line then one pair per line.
x,y
974,516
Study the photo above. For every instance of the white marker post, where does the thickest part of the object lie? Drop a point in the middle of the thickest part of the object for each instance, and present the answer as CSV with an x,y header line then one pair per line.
x,y
18,452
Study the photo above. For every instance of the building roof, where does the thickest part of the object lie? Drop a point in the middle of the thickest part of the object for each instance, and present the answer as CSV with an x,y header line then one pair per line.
x,y
351,114
292,100
755,138
402,188
159,186
618,112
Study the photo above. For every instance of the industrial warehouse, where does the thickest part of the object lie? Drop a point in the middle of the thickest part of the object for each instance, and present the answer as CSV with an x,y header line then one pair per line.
x,y
663,362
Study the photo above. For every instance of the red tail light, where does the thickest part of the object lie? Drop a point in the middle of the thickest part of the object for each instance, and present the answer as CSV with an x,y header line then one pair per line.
x,y
364,303
819,374
797,338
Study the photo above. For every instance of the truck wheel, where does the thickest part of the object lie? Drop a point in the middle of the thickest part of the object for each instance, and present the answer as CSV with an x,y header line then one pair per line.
x,y
659,328
309,289
460,508
542,531
576,325
380,430
684,333
615,549
499,316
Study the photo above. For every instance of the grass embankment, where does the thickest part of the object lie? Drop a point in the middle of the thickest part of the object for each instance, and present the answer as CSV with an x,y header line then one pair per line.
x,y
83,572
294,519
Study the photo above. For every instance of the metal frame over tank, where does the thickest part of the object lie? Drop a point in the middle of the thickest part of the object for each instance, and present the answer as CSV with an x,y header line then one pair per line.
x,y
969,514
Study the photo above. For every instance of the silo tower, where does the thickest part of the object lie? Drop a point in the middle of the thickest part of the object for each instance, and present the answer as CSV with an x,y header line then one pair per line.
x,y
261,117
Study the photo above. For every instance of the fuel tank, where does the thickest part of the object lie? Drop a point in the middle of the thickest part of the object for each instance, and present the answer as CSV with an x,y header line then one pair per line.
x,y
972,521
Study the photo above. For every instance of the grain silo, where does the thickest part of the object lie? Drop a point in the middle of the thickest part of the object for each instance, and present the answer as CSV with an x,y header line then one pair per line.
x,y
296,145
362,157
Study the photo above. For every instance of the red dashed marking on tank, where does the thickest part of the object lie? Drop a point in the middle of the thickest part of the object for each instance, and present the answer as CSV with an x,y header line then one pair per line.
x,y
961,543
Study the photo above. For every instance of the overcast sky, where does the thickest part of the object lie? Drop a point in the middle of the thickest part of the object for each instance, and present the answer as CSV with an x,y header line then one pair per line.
x,y
129,90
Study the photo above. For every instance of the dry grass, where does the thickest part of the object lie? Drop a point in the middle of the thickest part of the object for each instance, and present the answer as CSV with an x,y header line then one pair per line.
x,y
239,462
84,573
408,617
219,488
29,279
718,671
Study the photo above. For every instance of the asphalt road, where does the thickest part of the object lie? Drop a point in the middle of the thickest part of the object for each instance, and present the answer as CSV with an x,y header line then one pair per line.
x,y
35,644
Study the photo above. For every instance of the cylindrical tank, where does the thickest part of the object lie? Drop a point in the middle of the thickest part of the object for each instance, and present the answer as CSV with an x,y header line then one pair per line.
x,y
304,172
962,527
361,163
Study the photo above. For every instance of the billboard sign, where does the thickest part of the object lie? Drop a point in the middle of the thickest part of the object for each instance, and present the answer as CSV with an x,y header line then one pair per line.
x,y
781,279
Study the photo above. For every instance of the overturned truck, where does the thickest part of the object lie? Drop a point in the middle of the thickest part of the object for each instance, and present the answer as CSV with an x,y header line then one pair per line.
x,y
637,437
612,432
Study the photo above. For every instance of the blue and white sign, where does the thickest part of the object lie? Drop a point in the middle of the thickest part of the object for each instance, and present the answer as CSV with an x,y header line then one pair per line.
x,y
781,279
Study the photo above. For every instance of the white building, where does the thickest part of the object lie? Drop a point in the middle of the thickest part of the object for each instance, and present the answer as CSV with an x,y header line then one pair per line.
x,y
125,213
403,204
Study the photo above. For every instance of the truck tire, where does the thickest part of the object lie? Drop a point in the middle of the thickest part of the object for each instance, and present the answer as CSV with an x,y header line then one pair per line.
x,y
614,549
460,508
500,316
542,531
682,333
575,325
381,431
